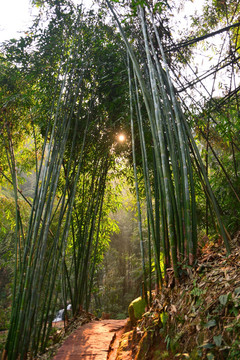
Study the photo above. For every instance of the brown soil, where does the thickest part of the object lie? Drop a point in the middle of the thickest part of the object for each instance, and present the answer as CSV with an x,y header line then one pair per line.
x,y
92,341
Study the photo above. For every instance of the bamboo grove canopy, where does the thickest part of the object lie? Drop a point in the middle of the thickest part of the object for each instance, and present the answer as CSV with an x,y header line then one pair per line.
x,y
98,82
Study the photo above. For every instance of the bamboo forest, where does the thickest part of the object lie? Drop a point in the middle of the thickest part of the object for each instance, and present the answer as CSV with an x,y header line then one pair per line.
x,y
120,181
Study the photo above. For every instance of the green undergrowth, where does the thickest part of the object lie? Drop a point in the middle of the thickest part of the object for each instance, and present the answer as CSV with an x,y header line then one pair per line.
x,y
199,318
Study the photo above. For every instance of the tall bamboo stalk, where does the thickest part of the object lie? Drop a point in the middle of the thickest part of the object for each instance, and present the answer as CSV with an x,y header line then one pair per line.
x,y
173,146
136,186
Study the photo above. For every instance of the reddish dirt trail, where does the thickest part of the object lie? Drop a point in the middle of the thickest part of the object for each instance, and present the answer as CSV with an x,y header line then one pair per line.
x,y
92,341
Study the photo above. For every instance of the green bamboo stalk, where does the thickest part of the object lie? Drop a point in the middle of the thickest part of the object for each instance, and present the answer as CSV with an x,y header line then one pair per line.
x,y
147,183
211,196
136,187
12,166
165,166
85,263
180,130
150,264
88,299
42,250
174,149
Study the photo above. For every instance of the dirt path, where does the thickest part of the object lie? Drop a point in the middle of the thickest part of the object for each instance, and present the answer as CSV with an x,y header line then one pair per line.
x,y
92,341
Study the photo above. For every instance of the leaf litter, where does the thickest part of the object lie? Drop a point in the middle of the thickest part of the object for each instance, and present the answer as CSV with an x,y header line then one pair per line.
x,y
199,318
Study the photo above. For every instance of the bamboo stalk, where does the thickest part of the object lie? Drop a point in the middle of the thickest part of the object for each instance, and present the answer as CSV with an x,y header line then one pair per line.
x,y
136,185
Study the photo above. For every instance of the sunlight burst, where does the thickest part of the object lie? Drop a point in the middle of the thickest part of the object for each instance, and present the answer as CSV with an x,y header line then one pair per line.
x,y
121,137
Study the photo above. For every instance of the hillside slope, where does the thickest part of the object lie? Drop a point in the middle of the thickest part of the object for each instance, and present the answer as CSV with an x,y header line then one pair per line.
x,y
196,319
